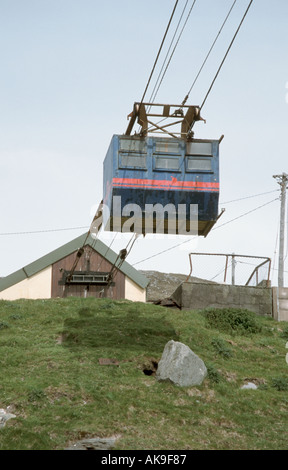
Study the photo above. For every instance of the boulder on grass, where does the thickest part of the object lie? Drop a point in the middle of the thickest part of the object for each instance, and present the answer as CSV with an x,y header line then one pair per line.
x,y
5,416
180,366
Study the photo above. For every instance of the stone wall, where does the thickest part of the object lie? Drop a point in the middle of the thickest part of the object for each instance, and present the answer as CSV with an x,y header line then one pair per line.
x,y
198,296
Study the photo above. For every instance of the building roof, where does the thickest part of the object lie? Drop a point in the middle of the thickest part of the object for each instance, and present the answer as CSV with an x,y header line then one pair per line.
x,y
65,250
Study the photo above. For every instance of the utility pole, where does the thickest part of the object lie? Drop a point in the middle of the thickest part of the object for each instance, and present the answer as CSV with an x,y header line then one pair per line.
x,y
233,269
282,180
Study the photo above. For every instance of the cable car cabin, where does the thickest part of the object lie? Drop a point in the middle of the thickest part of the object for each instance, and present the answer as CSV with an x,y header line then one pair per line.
x,y
156,185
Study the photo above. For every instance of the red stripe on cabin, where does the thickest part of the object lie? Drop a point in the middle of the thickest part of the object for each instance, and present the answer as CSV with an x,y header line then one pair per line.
x,y
165,184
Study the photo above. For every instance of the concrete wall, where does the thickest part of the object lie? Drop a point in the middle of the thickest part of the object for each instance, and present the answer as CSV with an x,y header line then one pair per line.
x,y
280,303
198,296
35,287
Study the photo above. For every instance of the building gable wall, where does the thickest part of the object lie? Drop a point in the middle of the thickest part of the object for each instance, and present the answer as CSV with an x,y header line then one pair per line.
x,y
134,292
34,287
89,261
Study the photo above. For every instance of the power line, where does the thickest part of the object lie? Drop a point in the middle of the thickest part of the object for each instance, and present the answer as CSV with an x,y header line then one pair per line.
x,y
31,232
43,231
163,251
186,241
249,197
246,213
276,269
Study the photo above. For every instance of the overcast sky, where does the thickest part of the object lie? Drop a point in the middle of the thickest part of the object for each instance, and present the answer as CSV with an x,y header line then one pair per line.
x,y
70,73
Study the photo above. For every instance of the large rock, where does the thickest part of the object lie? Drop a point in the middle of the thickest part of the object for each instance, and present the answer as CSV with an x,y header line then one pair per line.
x,y
180,365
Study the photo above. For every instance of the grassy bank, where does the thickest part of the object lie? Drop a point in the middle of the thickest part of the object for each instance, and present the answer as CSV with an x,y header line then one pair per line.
x,y
53,382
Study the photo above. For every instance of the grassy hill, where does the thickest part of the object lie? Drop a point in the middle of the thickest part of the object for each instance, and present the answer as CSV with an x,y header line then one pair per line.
x,y
54,381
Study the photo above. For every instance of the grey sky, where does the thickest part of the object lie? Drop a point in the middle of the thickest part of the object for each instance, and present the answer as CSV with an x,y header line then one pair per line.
x,y
70,73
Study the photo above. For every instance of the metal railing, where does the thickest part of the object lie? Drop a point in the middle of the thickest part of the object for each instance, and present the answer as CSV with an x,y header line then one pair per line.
x,y
211,270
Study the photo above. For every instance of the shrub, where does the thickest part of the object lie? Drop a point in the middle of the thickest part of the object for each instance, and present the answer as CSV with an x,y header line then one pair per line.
x,y
280,383
15,316
232,320
3,324
221,348
284,333
213,375
36,394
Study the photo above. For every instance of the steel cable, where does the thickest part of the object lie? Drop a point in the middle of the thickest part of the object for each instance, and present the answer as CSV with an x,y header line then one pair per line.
x,y
162,43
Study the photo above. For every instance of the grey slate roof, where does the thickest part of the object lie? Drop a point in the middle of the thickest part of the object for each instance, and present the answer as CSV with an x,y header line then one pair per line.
x,y
65,250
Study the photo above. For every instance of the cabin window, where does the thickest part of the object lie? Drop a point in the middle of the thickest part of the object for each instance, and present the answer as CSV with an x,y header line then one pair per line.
x,y
132,161
199,148
167,163
166,146
132,145
198,164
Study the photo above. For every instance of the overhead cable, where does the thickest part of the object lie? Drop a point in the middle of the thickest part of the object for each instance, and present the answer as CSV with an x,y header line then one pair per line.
x,y
151,97
225,56
246,213
187,241
43,231
31,232
207,56
249,197
181,32
162,43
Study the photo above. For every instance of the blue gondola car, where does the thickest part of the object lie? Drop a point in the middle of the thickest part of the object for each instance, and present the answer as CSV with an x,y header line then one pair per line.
x,y
161,184
142,172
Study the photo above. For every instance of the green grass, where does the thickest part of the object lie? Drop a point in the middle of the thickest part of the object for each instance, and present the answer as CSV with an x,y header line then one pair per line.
x,y
51,378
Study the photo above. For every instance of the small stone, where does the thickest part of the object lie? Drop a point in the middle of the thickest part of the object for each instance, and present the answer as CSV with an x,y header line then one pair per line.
x,y
5,416
93,444
249,386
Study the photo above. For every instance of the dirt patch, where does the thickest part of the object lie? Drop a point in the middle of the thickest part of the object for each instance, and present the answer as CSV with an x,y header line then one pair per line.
x,y
150,366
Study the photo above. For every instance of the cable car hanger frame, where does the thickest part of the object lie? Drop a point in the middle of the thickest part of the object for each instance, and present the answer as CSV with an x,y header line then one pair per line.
x,y
184,115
